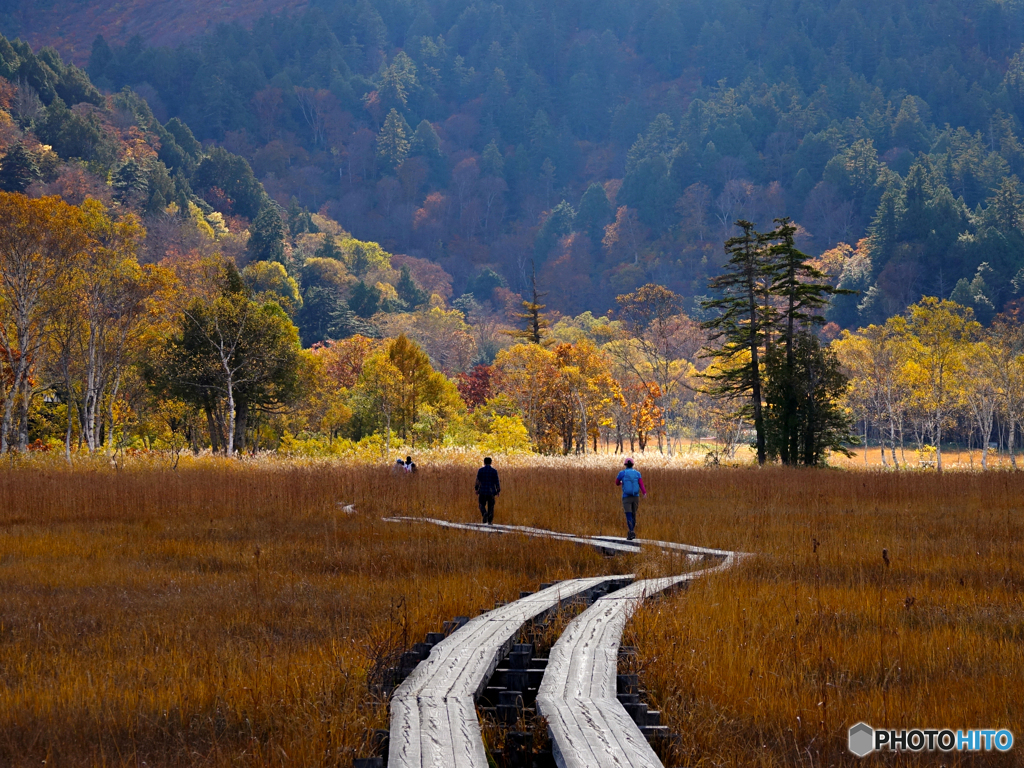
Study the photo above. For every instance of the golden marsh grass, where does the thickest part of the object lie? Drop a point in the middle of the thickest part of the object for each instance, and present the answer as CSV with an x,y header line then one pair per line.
x,y
230,614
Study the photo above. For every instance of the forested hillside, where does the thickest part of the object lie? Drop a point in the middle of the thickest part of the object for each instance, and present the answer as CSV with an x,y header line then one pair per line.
x,y
345,224
60,136
472,134
71,25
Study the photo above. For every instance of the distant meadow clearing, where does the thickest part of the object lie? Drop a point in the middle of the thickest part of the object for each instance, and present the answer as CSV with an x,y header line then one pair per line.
x,y
234,613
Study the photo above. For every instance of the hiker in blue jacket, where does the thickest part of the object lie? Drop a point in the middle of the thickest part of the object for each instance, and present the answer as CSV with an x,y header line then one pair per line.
x,y
632,486
487,487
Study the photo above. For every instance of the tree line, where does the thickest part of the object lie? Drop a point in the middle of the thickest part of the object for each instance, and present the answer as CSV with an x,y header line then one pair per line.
x,y
935,376
100,352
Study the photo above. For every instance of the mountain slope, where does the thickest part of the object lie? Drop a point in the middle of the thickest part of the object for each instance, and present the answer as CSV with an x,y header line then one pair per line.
x,y
70,26
612,144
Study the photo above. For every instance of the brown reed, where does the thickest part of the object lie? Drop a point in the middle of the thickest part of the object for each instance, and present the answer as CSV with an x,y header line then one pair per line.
x,y
138,624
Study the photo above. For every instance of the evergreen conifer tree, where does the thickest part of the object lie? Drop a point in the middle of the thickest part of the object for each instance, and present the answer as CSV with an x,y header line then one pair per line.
x,y
408,291
536,325
18,169
266,236
329,249
594,213
393,142
130,183
741,324
804,295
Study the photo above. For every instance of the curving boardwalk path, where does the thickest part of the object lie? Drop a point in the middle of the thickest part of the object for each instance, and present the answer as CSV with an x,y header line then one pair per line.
x,y
589,726
433,713
608,543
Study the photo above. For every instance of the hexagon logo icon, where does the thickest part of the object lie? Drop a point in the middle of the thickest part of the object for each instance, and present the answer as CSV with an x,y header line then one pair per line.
x,y
862,739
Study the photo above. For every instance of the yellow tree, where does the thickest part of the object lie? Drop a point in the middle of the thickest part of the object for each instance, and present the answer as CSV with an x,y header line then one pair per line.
x,y
379,392
657,336
270,281
527,373
325,408
419,402
113,299
584,390
563,394
979,382
643,416
506,434
937,332
874,358
41,246
1007,343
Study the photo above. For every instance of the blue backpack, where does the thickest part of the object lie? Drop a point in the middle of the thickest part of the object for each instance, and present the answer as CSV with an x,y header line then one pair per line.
x,y
630,482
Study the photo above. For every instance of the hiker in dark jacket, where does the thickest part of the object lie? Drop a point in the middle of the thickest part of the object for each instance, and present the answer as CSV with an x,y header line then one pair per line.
x,y
487,487
632,486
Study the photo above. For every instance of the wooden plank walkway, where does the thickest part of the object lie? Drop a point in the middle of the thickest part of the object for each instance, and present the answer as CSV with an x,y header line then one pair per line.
x,y
589,727
701,552
608,544
433,715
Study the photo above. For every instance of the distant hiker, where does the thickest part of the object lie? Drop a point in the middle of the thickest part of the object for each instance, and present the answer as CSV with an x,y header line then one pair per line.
x,y
632,486
410,465
399,466
487,487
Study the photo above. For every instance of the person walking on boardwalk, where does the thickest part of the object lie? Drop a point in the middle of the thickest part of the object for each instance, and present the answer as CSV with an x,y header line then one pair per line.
x,y
487,487
632,486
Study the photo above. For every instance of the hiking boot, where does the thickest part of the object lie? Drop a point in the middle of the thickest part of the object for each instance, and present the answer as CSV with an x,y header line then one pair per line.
x,y
630,536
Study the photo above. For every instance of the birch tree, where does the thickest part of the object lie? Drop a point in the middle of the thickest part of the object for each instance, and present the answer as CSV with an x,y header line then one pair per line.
x,y
233,355
980,386
113,296
41,246
1007,342
937,331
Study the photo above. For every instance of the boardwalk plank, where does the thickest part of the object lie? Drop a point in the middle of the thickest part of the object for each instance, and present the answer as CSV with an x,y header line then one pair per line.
x,y
613,543
434,720
589,727
593,541
433,714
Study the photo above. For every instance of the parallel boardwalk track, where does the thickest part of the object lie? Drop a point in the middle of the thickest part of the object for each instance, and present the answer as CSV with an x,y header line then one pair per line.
x,y
433,716
589,727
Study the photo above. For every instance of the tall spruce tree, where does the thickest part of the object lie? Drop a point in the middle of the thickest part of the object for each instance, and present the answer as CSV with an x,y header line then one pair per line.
x,y
802,390
740,324
804,295
768,303
536,325
408,291
393,142
266,236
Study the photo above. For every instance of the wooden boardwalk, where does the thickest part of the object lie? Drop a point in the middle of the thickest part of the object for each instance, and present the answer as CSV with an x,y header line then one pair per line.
x,y
608,544
433,717
433,713
589,727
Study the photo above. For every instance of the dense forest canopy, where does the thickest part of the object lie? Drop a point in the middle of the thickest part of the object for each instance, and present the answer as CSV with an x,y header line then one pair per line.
x,y
470,133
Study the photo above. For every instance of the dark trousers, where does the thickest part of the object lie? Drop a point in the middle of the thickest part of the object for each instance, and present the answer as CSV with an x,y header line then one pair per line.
x,y
487,507
630,504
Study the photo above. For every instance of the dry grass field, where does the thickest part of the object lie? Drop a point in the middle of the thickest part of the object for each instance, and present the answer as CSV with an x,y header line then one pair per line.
x,y
232,613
